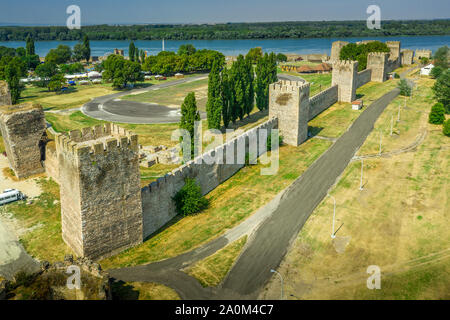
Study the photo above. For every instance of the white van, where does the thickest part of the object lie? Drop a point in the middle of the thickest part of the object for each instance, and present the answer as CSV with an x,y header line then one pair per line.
x,y
11,195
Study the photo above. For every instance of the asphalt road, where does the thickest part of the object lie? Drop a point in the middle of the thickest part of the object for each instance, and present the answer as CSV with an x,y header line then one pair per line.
x,y
111,108
270,241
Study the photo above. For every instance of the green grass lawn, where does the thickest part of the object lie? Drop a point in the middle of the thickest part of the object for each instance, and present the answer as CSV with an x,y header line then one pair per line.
x,y
174,96
211,271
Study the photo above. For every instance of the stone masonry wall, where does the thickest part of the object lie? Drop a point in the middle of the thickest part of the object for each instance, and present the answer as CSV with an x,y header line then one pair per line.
x,y
101,204
336,50
407,57
157,204
322,101
23,127
423,53
51,161
5,95
344,75
289,102
363,77
377,62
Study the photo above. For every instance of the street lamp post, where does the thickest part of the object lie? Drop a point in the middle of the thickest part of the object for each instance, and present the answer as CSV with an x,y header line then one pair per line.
x,y
334,216
281,278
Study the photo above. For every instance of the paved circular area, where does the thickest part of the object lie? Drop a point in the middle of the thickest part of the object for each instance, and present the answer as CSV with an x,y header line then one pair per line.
x,y
111,108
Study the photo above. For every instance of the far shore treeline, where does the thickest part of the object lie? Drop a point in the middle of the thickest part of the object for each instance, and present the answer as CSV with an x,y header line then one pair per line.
x,y
269,30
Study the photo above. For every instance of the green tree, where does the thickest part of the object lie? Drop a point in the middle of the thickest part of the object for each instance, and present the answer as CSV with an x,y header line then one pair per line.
x,y
131,51
359,52
248,74
214,103
281,57
189,200
86,48
437,114
405,89
436,72
226,97
254,54
62,54
46,71
441,89
189,115
446,128
13,72
121,72
266,73
186,49
56,82
441,57
30,49
142,55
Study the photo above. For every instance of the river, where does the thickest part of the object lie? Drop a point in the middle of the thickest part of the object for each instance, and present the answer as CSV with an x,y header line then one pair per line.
x,y
235,47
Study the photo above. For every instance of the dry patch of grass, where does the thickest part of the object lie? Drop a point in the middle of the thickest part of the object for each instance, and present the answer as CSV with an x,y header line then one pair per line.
x,y
230,203
41,220
399,222
211,271
142,291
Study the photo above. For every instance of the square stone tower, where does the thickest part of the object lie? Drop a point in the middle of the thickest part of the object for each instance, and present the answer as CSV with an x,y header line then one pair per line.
x,y
289,102
101,207
394,47
5,95
407,57
345,76
377,62
336,47
23,130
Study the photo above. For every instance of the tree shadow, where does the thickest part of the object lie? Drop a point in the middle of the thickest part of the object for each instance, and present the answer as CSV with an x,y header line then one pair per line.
x,y
123,291
253,118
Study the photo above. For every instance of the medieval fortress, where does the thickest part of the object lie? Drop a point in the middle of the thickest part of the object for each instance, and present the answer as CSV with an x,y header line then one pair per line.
x,y
103,208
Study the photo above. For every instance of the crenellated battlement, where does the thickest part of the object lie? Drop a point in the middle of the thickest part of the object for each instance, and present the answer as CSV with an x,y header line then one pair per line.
x,y
343,64
97,140
289,86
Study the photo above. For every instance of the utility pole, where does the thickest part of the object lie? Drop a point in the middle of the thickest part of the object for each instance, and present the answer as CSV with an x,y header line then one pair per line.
x,y
334,217
281,278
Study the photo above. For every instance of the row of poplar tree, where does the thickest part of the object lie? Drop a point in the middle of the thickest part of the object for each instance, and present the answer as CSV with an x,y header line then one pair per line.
x,y
232,91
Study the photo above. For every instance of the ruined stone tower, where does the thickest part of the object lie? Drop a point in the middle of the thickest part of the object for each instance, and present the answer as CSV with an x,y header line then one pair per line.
x,y
5,95
345,76
101,207
289,102
23,130
336,50
377,62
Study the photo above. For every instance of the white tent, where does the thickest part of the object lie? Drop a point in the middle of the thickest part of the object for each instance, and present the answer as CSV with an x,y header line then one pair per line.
x,y
94,74
425,71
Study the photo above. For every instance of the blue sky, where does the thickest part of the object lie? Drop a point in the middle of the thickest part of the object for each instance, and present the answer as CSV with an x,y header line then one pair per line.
x,y
53,12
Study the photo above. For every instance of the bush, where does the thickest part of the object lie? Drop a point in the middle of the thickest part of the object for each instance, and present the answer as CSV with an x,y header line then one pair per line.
x,y
269,141
446,128
436,72
437,114
405,89
189,200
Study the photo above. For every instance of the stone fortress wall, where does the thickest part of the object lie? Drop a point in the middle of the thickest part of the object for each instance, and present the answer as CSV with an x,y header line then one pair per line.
x,y
104,210
423,53
5,95
23,130
209,170
101,208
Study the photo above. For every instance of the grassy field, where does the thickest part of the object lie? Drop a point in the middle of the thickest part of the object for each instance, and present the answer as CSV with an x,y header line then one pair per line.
x,y
174,96
42,220
335,120
211,271
142,291
399,222
76,96
230,203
